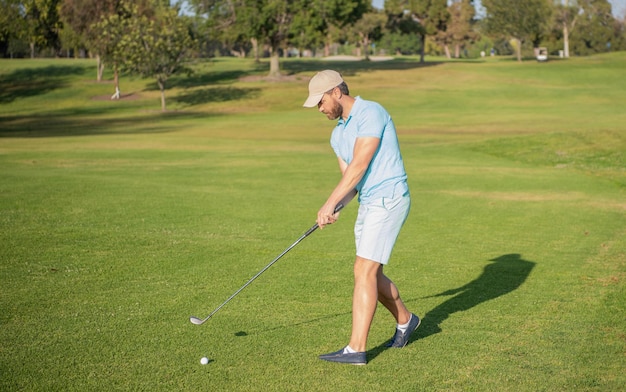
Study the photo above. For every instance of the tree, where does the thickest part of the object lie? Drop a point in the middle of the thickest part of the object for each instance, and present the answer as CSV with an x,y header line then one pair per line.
x,y
277,23
336,16
229,22
595,29
112,30
431,16
275,19
566,14
310,29
12,24
71,41
619,31
156,46
459,29
404,34
82,15
368,29
42,23
520,20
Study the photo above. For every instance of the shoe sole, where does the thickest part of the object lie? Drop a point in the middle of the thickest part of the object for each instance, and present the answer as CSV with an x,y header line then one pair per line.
x,y
344,358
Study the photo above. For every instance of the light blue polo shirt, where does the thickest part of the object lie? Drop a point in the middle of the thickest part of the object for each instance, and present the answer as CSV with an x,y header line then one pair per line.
x,y
385,177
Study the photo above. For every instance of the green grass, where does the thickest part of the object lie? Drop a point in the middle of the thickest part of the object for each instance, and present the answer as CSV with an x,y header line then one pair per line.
x,y
118,222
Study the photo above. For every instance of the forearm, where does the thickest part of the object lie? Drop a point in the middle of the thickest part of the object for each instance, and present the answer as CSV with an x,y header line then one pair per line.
x,y
352,174
345,190
342,194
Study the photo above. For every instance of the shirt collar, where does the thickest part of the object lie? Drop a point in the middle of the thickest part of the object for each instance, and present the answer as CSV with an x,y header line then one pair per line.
x,y
355,106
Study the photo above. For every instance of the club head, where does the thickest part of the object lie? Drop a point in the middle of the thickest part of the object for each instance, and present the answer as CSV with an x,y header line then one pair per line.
x,y
195,320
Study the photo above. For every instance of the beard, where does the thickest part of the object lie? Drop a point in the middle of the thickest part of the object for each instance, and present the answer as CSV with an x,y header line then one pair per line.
x,y
335,111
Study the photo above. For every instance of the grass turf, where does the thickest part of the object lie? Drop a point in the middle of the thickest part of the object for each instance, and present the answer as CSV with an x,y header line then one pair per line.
x,y
118,222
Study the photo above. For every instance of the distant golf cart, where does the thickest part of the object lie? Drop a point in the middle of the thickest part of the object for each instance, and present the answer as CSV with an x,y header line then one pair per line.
x,y
542,54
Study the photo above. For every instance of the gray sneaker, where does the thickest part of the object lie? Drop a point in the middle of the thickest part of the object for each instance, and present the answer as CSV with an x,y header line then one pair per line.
x,y
350,358
400,339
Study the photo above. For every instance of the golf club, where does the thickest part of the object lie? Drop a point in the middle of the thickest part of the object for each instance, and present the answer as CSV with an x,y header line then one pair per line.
x,y
197,321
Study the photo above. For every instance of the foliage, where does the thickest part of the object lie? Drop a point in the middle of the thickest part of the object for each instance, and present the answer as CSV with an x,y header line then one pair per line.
x,y
39,25
425,17
71,41
521,20
278,27
565,16
369,29
278,23
401,44
12,26
9,18
326,22
459,31
432,14
310,29
156,46
595,31
82,14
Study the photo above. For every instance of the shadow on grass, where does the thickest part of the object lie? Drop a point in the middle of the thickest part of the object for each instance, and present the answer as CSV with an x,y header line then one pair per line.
x,y
214,87
205,78
84,122
29,82
349,68
216,94
504,275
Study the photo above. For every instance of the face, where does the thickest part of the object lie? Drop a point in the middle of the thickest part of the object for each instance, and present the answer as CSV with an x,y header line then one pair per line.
x,y
330,106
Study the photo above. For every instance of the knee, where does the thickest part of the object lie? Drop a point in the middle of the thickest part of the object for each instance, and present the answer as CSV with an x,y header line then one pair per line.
x,y
365,269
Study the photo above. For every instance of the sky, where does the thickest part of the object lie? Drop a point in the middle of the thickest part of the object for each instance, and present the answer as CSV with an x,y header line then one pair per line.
x,y
619,6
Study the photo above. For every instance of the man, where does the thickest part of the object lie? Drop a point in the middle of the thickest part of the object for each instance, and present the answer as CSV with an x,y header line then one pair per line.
x,y
368,153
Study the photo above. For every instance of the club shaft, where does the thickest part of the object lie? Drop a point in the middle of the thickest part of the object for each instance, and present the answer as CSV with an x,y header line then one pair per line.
x,y
195,320
263,270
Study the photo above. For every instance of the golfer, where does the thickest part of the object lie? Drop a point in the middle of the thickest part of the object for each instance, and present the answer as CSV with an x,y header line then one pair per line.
x,y
371,165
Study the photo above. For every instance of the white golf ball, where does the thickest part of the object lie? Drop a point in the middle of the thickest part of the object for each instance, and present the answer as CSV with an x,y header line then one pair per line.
x,y
204,360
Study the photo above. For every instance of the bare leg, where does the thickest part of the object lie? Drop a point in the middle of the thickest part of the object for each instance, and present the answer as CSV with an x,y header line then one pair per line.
x,y
389,296
364,301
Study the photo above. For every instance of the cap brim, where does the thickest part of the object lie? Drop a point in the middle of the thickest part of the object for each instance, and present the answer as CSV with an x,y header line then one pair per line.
x,y
313,100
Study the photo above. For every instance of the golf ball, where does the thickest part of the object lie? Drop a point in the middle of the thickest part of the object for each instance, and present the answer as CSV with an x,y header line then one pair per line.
x,y
204,360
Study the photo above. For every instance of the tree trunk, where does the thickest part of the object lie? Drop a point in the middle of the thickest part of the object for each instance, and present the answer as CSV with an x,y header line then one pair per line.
x,y
274,64
32,50
566,34
366,47
457,51
116,82
565,41
162,88
100,66
423,41
255,48
446,49
518,49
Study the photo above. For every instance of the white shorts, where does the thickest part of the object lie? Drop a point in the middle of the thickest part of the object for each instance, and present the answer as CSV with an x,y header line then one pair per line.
x,y
378,225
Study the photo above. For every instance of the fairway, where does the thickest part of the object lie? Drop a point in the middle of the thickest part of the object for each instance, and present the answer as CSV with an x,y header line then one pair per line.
x,y
118,222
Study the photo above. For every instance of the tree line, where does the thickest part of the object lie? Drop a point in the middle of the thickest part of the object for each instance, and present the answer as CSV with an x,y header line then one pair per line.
x,y
156,38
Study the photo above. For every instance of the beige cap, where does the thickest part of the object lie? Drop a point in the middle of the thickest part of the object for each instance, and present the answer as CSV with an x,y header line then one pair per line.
x,y
321,83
